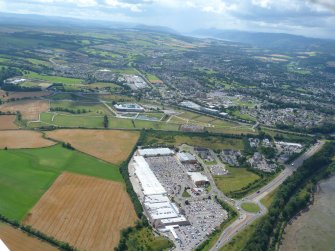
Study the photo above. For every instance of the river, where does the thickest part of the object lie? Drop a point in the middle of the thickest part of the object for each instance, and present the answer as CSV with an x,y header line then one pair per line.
x,y
314,230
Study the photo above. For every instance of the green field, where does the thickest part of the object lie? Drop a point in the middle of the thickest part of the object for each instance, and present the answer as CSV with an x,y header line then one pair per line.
x,y
267,200
27,173
89,107
250,207
53,79
235,180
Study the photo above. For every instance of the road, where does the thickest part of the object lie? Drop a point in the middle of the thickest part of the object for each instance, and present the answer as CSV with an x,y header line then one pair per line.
x,y
246,218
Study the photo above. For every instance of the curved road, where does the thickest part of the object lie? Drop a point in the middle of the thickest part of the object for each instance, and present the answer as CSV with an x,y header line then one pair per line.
x,y
246,218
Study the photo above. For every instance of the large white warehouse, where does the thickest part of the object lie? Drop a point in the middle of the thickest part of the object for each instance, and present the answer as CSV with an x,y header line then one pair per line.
x,y
152,152
149,182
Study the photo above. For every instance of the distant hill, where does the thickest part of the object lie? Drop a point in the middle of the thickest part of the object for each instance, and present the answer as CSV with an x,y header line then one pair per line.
x,y
279,41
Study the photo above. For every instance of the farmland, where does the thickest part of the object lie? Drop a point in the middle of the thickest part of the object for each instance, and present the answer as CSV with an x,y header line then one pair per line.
x,y
7,122
113,146
89,108
30,109
27,173
15,139
16,240
86,212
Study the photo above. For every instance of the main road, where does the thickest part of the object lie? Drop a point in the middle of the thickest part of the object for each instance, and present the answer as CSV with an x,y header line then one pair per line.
x,y
246,218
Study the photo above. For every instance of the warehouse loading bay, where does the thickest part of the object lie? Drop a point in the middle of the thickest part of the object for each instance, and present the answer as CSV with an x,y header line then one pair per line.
x,y
174,191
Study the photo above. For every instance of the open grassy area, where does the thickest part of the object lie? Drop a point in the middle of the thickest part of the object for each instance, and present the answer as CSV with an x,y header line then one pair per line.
x,y
54,79
238,242
213,142
250,207
88,108
27,173
235,180
267,200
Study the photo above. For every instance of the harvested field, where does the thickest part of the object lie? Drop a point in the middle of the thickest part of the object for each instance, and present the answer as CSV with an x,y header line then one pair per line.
x,y
113,146
30,109
84,211
7,122
15,139
16,240
18,95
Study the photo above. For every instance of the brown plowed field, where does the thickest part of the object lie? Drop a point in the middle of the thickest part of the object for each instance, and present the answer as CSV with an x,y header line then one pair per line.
x,y
84,211
7,122
16,240
23,139
110,145
30,109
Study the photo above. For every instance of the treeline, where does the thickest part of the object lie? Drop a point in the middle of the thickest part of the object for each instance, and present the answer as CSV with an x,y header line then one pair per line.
x,y
73,111
19,88
29,230
323,129
286,203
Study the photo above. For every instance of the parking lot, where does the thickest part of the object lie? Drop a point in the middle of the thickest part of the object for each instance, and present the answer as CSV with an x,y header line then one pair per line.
x,y
205,216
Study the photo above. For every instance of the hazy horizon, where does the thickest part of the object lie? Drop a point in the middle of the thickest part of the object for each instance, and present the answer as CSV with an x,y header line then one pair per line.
x,y
313,18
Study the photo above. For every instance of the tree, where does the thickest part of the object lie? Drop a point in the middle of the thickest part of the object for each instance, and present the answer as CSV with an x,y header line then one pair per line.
x,y
105,121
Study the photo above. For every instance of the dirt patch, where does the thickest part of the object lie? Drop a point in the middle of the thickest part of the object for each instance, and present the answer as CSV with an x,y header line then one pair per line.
x,y
15,139
7,122
19,95
16,240
86,212
30,109
110,145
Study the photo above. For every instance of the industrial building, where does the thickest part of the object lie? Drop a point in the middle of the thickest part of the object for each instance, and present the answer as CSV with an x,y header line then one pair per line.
x,y
128,107
153,152
198,178
160,210
186,158
148,181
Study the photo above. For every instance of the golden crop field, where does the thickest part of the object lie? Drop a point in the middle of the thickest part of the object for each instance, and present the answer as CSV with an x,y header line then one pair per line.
x,y
113,146
84,211
30,109
16,240
7,122
23,139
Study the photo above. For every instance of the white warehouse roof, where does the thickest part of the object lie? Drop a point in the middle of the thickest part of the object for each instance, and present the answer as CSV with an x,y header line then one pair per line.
x,y
185,157
3,246
196,176
150,152
147,178
163,210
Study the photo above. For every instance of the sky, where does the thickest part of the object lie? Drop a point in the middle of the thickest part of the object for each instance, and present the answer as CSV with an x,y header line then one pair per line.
x,y
314,18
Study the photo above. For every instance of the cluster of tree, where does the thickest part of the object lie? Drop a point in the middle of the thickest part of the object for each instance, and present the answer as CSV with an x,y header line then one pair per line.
x,y
19,88
29,230
105,122
286,204
8,73
67,146
268,152
7,113
322,129
62,109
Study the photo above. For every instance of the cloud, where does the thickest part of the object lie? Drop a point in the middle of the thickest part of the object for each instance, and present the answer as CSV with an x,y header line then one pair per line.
x,y
306,17
328,4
